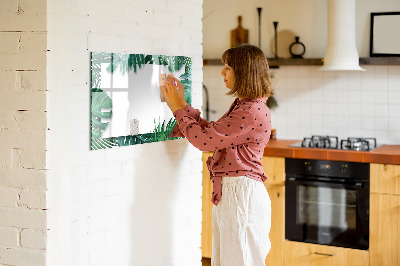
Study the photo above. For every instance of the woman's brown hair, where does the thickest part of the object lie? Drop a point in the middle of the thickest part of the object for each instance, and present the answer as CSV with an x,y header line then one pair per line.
x,y
250,66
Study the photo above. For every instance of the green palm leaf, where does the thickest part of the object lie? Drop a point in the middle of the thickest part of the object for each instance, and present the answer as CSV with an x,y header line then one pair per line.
x,y
100,101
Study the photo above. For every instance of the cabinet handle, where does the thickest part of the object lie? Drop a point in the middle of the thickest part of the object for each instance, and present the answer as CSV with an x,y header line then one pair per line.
x,y
324,254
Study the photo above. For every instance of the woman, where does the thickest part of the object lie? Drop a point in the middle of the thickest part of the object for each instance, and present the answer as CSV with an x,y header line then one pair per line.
x,y
242,208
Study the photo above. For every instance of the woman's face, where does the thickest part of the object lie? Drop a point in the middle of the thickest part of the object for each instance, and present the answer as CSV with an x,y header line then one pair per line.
x,y
229,76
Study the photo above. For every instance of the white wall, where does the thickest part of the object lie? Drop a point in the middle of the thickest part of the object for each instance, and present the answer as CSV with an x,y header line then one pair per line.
x,y
136,205
306,19
23,133
311,102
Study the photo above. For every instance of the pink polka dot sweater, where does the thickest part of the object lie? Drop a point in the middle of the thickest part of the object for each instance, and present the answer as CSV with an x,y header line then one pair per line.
x,y
238,139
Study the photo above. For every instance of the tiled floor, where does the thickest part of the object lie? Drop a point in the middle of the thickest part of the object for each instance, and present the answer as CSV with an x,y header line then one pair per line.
x,y
206,261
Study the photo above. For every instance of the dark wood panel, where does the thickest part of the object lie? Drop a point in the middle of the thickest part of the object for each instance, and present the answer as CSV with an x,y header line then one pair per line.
x,y
314,61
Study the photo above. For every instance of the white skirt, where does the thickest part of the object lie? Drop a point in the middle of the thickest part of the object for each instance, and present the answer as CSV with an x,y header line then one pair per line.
x,y
241,223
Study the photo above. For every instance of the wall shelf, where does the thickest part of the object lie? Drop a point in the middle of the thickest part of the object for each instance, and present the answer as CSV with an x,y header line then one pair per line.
x,y
274,63
380,61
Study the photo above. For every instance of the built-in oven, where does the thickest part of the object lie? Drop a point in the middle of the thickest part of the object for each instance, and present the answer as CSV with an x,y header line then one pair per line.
x,y
327,202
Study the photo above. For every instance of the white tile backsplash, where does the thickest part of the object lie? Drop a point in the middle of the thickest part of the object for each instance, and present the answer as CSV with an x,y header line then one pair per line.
x,y
394,110
394,97
343,103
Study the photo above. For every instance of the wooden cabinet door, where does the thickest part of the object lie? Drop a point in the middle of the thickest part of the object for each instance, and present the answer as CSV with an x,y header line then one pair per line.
x,y
384,237
385,178
206,226
304,254
277,233
274,168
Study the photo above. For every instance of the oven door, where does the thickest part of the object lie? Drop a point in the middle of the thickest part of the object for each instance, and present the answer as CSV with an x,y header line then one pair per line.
x,y
327,213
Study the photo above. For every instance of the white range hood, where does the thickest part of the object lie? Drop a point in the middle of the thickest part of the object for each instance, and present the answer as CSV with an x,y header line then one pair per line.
x,y
341,51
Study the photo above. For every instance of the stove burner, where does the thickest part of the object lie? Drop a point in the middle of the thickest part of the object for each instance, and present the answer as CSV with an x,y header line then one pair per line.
x,y
332,142
328,142
358,144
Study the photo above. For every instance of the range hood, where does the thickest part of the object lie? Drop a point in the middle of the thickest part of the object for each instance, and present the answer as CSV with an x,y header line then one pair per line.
x,y
341,51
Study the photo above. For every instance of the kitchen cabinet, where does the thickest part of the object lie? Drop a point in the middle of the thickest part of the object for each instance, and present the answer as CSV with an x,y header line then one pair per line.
x,y
277,233
385,178
385,215
274,168
206,225
305,254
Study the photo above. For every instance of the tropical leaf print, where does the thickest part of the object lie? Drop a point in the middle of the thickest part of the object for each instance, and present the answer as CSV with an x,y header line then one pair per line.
x,y
100,117
101,103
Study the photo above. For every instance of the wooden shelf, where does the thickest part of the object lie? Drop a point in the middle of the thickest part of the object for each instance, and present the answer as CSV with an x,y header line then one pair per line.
x,y
294,62
380,61
273,63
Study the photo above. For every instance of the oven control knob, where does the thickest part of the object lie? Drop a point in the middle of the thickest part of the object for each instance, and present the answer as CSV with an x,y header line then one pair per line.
x,y
308,166
343,168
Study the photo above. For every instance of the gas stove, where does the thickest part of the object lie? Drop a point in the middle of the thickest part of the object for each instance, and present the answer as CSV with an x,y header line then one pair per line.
x,y
332,142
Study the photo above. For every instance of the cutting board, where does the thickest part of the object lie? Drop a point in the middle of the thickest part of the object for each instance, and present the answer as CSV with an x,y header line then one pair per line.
x,y
239,35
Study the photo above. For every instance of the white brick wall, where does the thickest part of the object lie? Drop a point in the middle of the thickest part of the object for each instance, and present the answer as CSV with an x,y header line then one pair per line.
x,y
23,132
136,205
99,204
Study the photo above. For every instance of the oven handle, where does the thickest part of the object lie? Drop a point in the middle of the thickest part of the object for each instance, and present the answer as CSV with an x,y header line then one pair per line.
x,y
357,185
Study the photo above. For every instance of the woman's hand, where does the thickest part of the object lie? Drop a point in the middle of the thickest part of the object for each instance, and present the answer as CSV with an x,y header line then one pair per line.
x,y
181,90
174,93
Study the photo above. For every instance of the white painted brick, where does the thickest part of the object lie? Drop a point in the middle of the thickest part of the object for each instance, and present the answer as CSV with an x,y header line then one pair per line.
x,y
23,178
197,63
178,7
80,227
17,256
8,197
9,42
20,217
168,20
97,42
196,10
33,199
150,5
128,168
33,159
5,159
8,6
197,76
8,237
114,186
98,222
97,173
197,166
30,80
79,176
192,23
22,100
196,37
7,79
23,22
33,239
154,32
36,7
35,140
31,61
34,120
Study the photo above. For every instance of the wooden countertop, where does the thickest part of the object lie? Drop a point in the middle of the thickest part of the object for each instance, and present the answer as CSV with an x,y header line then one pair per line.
x,y
389,154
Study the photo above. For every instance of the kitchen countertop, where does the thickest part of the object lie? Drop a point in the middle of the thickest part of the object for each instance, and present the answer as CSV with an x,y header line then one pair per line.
x,y
389,154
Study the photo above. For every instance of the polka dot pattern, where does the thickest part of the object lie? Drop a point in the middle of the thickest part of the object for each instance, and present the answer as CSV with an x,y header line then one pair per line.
x,y
238,139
